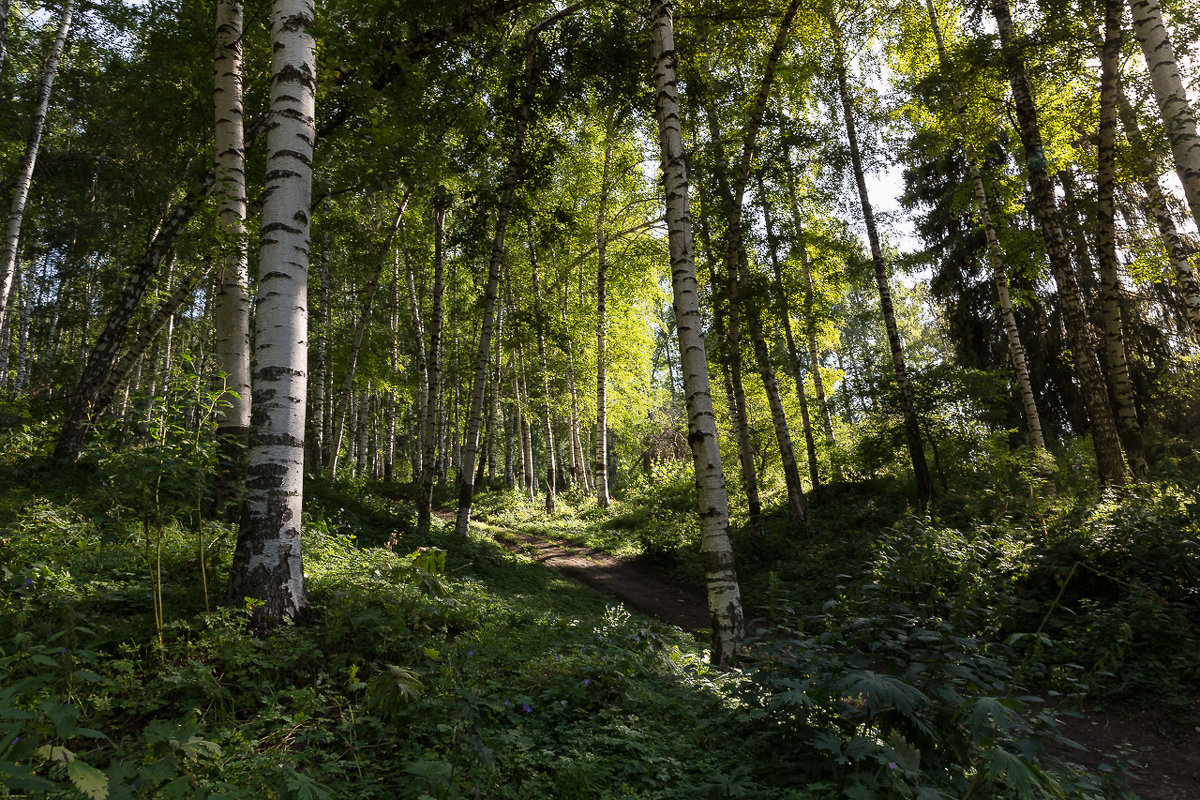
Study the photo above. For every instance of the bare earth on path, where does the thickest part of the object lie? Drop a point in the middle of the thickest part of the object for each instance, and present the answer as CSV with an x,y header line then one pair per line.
x,y
650,591
1161,748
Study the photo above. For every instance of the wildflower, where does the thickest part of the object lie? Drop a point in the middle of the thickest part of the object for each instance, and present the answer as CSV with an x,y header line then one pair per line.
x,y
893,765
587,682
507,703
28,582
528,709
470,654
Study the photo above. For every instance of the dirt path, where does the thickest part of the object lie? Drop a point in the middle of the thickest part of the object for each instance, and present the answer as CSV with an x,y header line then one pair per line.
x,y
650,591
1159,748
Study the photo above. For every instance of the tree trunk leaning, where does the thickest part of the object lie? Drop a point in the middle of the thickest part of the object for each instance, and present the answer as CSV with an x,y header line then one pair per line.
x,y
1178,117
12,236
1109,458
912,431
724,596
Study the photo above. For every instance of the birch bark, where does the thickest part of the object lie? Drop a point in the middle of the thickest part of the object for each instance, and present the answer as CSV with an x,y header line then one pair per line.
x,y
785,315
266,565
1109,458
1016,348
231,309
1178,117
16,213
539,320
1156,203
724,596
433,367
1106,244
602,329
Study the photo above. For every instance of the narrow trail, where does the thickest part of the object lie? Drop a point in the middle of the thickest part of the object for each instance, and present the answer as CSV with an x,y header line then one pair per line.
x,y
650,591
1157,746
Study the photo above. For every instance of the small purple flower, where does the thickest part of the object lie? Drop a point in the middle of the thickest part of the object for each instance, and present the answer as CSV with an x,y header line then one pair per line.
x,y
15,740
63,650
507,703
28,582
587,682
893,765
470,654
528,709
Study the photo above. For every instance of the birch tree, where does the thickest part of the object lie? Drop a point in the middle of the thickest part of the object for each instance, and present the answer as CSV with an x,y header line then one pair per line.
x,y
724,595
1178,116
9,249
231,308
266,567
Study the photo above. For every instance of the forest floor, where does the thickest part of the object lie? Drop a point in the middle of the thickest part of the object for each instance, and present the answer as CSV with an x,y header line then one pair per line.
x,y
1157,746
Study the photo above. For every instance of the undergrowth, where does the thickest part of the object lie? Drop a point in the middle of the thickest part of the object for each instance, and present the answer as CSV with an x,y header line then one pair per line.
x,y
898,654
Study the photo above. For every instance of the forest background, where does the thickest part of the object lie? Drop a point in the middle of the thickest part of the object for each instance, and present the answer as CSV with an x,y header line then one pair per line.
x,y
608,274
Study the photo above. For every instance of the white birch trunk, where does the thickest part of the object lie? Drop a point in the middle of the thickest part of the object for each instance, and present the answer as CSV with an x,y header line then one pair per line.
x,y
16,213
266,565
231,309
1016,348
602,497
724,596
1178,117
433,369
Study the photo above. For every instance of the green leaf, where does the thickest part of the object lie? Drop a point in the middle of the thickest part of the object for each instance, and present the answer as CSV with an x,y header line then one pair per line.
x,y
18,777
64,718
89,780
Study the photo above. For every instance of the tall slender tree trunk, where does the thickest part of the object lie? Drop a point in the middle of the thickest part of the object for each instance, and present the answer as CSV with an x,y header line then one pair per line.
x,y
12,235
737,270
723,311
810,324
724,596
1156,202
1104,430
103,354
602,329
579,472
360,329
785,315
4,8
21,381
1106,243
995,258
389,447
266,563
540,321
147,334
531,483
1178,117
912,430
231,311
433,366
470,447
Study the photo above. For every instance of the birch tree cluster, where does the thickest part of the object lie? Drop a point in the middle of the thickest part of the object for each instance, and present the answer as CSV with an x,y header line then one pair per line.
x,y
498,243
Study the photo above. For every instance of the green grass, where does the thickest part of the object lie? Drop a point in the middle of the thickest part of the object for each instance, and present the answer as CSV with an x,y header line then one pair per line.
x,y
432,666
